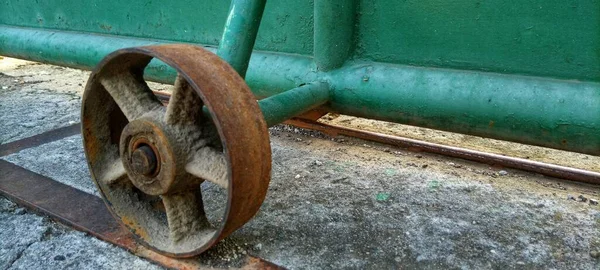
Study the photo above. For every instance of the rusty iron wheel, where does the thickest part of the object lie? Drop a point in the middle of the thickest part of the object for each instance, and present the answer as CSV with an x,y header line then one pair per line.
x,y
141,152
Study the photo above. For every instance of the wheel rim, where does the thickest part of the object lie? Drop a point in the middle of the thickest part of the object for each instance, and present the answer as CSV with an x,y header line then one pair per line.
x,y
141,153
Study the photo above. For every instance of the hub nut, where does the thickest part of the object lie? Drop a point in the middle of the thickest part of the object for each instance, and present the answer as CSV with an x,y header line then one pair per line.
x,y
143,161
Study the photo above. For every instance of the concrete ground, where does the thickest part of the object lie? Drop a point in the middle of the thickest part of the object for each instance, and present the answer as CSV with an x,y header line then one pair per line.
x,y
332,203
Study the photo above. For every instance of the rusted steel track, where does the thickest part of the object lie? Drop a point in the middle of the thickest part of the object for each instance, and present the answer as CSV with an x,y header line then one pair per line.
x,y
46,137
87,213
489,158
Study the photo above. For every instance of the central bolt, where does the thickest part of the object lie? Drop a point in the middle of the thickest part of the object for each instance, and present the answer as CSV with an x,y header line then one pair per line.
x,y
143,160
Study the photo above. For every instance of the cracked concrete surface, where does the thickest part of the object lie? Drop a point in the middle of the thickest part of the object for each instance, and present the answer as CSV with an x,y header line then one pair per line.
x,y
332,204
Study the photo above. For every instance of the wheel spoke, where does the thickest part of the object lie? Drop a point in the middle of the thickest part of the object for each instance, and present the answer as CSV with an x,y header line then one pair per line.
x,y
209,165
131,93
114,172
185,106
185,214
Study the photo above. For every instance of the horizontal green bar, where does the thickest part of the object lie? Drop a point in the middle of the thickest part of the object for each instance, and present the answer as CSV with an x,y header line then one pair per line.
x,y
269,73
539,111
559,114
283,106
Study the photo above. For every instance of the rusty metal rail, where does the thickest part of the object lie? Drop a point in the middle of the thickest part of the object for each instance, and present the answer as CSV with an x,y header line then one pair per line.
x,y
87,213
468,154
42,138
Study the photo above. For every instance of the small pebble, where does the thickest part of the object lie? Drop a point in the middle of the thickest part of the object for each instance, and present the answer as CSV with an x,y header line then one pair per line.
x,y
318,163
59,258
258,246
297,176
595,254
593,202
582,198
570,197
424,166
503,172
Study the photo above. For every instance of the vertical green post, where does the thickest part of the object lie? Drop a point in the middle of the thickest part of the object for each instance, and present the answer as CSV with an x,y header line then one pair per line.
x,y
334,29
240,33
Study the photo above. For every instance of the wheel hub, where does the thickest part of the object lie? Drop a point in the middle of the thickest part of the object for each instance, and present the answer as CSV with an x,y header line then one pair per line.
x,y
149,157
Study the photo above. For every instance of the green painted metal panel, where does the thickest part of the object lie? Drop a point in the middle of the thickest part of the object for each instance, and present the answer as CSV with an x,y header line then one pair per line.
x,y
555,38
286,26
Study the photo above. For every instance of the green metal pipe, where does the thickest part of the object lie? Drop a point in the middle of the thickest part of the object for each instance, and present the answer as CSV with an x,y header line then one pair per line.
x,y
269,74
288,104
240,32
283,106
333,34
561,114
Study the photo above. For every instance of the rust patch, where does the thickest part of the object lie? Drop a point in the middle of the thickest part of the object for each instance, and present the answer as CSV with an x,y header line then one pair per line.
x,y
135,227
258,263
